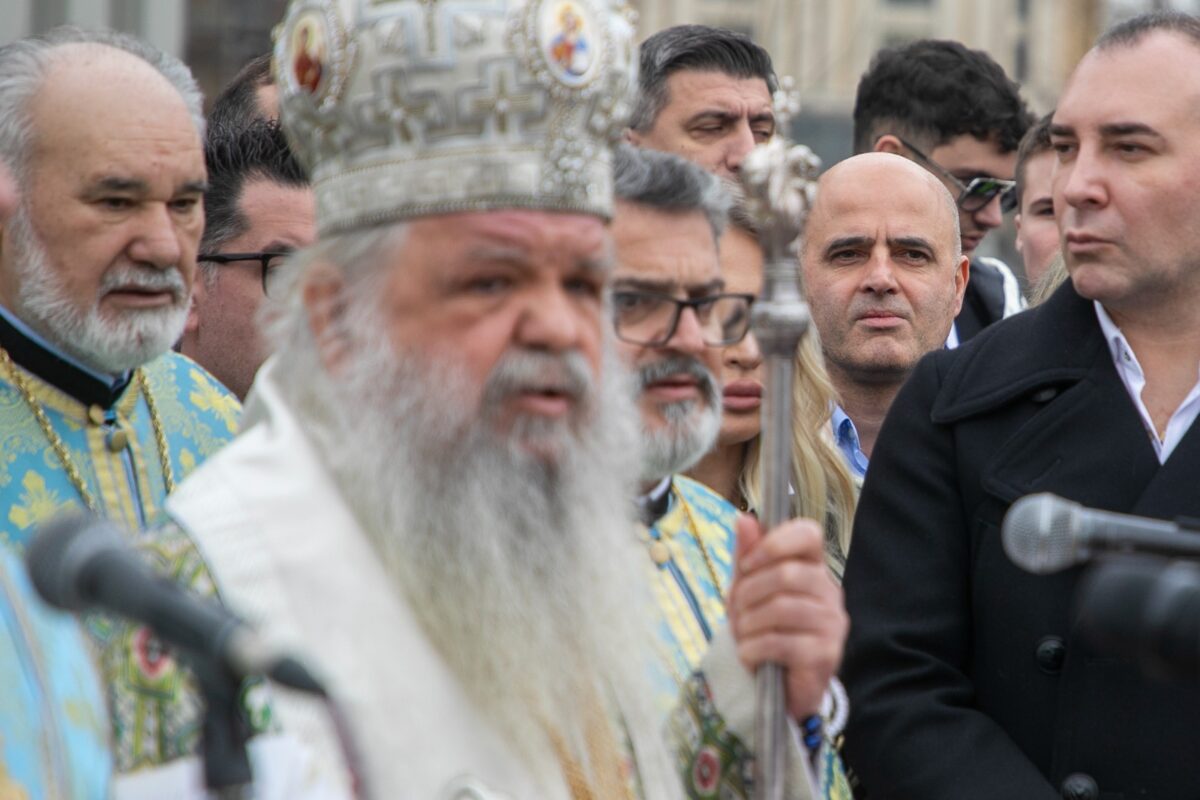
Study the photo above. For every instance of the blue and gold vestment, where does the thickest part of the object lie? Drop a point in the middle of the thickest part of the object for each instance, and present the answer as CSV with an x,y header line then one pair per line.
x,y
692,546
110,440
54,732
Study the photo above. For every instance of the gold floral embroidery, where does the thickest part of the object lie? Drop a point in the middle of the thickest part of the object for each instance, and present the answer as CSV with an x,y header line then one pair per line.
x,y
208,397
36,504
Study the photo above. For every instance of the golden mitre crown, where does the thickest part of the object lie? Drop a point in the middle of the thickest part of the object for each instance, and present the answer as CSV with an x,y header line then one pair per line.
x,y
404,108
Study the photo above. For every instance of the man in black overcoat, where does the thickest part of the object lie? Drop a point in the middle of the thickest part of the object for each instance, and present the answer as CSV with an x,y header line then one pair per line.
x,y
967,675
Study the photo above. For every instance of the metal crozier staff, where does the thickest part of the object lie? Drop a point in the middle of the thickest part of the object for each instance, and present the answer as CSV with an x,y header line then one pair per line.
x,y
780,184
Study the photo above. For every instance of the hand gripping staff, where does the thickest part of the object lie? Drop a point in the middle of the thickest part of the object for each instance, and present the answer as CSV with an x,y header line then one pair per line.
x,y
779,180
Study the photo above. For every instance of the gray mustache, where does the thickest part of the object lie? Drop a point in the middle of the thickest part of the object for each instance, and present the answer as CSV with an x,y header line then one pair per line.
x,y
678,365
147,278
521,371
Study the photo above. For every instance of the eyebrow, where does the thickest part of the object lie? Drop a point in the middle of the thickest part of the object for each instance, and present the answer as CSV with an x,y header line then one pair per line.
x,y
112,183
1128,129
518,258
859,241
668,287
1110,130
726,117
137,186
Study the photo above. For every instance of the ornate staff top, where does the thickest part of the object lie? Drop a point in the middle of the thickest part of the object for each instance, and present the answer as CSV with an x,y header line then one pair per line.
x,y
780,182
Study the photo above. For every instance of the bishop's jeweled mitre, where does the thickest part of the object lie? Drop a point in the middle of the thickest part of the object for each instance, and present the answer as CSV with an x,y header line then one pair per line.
x,y
402,108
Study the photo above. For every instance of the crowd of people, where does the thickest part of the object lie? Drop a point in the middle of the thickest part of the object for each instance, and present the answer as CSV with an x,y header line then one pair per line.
x,y
484,279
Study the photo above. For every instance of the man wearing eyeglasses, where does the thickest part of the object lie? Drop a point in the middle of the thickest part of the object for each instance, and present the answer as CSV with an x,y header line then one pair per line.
x,y
953,111
259,208
672,317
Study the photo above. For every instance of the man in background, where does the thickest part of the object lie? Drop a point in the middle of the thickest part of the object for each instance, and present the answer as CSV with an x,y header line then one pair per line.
x,y
884,275
258,210
704,94
1037,227
969,676
96,268
953,111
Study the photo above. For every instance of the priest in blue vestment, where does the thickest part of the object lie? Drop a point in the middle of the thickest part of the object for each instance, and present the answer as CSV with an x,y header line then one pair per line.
x,y
96,267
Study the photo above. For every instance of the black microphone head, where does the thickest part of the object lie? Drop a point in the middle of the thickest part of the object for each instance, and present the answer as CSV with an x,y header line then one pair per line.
x,y
59,554
1039,533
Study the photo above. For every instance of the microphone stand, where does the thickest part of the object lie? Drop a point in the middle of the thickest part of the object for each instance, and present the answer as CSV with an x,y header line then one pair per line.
x,y
227,773
780,185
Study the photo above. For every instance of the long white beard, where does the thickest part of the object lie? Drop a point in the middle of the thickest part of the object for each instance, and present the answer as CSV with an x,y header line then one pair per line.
x,y
108,345
526,575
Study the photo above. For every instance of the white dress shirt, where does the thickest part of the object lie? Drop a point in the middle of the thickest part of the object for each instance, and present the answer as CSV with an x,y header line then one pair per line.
x,y
1135,381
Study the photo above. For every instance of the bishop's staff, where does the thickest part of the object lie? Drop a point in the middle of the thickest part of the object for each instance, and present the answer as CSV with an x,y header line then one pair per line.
x,y
779,180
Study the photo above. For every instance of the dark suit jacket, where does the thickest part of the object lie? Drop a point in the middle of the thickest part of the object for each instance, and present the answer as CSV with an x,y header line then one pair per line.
x,y
966,674
983,301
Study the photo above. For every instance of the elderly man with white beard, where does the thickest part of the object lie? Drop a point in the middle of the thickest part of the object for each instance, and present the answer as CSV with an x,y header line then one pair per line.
x,y
432,498
103,137
672,318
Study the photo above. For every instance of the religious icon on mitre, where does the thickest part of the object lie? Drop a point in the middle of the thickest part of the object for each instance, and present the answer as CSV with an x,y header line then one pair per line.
x,y
308,51
566,34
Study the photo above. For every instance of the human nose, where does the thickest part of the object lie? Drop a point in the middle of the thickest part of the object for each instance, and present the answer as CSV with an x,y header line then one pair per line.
x,y
158,241
551,321
689,333
1079,182
745,355
738,146
879,275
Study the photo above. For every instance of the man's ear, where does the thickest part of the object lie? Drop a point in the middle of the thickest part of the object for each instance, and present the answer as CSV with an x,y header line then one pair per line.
x,y
192,324
632,137
889,144
962,274
324,298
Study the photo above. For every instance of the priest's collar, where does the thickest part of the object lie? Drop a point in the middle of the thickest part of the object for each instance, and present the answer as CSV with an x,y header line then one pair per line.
x,y
654,503
32,352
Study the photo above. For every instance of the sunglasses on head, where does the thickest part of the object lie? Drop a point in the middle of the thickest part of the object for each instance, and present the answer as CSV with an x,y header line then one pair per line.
x,y
976,193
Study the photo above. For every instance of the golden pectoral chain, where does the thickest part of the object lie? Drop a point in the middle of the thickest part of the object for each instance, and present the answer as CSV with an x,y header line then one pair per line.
x,y
60,448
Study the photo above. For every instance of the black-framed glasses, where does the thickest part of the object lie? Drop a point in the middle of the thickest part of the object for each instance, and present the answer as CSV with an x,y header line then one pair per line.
x,y
976,193
650,318
269,262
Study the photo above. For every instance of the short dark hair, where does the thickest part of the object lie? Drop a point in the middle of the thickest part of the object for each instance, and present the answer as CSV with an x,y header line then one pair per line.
x,y
1131,31
1035,141
693,47
237,104
669,183
931,91
235,154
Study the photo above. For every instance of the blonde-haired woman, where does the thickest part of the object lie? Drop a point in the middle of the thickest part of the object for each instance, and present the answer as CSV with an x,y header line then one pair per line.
x,y
822,486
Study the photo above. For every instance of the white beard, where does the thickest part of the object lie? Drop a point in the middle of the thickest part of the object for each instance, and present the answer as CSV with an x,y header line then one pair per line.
x,y
525,574
108,345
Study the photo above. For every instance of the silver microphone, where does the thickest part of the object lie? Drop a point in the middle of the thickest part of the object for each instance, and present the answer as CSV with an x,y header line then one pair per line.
x,y
1043,533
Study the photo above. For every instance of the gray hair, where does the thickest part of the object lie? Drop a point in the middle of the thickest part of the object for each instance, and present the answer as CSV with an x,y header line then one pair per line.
x,y
669,183
359,257
693,47
23,65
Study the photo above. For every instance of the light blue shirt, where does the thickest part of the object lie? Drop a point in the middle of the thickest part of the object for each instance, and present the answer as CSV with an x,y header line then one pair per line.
x,y
845,436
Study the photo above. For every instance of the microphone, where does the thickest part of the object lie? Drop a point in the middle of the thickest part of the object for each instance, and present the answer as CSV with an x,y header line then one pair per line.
x,y
77,562
1141,606
1043,533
